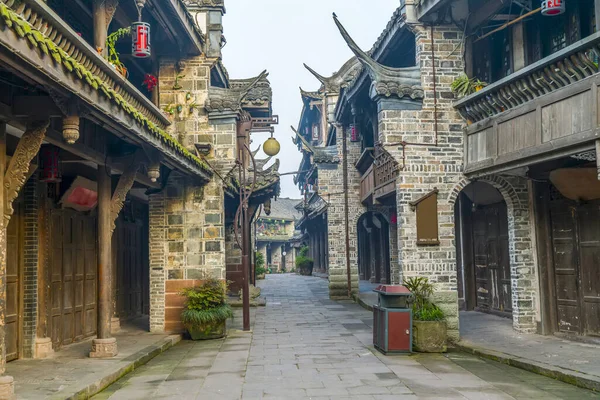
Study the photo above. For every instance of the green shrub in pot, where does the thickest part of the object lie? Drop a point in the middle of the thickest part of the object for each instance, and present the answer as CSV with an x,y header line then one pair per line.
x,y
206,310
429,324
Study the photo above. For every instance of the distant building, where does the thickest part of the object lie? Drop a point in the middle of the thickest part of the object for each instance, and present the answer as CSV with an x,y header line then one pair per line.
x,y
274,233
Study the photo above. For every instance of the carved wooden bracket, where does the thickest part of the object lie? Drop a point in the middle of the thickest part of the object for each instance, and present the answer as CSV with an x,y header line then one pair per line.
x,y
111,9
123,187
18,167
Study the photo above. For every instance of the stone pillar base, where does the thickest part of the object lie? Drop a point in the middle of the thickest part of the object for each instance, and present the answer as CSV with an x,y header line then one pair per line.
x,y
43,348
115,325
104,348
7,388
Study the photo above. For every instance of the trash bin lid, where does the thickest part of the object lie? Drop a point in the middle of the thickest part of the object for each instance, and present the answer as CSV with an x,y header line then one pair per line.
x,y
392,290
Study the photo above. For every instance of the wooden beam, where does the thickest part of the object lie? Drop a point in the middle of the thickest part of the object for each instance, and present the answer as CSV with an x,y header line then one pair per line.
x,y
485,12
89,154
31,106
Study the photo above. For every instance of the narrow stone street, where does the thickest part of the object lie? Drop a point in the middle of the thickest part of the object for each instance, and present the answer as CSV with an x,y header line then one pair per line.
x,y
305,346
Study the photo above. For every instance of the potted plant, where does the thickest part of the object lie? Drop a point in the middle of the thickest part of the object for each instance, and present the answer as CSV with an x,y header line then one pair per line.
x,y
429,325
206,310
259,265
304,264
464,86
113,55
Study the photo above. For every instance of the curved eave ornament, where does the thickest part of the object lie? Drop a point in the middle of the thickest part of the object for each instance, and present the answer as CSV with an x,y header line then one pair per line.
x,y
222,100
404,83
341,79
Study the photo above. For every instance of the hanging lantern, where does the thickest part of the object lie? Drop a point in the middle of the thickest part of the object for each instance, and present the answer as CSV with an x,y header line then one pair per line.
x,y
271,147
551,8
50,165
140,32
354,133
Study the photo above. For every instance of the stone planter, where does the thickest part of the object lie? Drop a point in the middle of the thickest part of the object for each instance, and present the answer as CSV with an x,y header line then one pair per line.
x,y
430,336
261,276
208,331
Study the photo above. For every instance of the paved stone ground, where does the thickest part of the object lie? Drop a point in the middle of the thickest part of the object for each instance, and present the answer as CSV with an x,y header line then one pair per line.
x,y
496,333
70,370
305,346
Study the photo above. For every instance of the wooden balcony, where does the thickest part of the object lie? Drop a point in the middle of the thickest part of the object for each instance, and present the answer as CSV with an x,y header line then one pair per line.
x,y
544,111
379,181
44,19
367,186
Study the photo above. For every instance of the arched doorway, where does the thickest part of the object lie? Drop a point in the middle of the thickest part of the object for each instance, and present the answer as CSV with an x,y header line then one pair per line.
x,y
374,248
483,257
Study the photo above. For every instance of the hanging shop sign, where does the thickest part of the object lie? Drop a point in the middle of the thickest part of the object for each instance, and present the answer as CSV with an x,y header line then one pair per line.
x,y
550,8
50,165
354,133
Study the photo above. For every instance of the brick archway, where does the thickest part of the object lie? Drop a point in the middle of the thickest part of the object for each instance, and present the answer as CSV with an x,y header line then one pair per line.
x,y
513,201
522,266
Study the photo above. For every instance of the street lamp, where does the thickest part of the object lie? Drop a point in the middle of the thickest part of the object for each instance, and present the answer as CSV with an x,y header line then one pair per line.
x,y
271,148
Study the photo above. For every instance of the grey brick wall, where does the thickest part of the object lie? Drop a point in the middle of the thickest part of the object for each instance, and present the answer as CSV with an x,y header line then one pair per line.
x,y
31,261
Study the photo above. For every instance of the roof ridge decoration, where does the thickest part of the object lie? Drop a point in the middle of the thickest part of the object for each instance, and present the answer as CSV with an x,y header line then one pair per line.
x,y
311,95
386,81
231,99
341,79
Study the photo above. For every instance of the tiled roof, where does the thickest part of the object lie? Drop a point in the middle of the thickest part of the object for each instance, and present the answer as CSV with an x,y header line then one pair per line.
x,y
285,208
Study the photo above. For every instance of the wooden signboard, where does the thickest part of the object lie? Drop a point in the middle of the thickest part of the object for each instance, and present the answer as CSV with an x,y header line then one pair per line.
x,y
427,219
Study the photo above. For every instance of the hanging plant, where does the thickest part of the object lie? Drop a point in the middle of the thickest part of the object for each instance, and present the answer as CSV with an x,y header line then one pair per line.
x,y
177,86
465,86
150,82
113,56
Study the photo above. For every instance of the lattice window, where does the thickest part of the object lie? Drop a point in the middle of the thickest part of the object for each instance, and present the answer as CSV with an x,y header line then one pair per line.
x,y
386,167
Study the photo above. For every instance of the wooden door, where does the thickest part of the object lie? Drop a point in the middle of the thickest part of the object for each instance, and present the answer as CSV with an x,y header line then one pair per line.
x,y
14,266
566,270
491,258
576,260
73,275
589,256
130,268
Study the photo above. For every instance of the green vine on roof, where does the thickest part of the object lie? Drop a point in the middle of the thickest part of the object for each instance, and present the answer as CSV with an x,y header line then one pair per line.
x,y
46,46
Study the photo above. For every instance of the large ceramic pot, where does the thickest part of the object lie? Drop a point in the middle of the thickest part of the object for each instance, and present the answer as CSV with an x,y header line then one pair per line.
x,y
306,269
208,331
430,336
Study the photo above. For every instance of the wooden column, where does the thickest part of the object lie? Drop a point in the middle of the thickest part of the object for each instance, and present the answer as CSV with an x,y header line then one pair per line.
x,y
104,345
597,15
598,151
100,26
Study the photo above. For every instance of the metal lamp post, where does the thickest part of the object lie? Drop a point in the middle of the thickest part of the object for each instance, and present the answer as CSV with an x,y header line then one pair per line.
x,y
242,217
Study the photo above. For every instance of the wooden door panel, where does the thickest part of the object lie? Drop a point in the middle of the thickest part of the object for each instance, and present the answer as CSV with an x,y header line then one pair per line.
x,y
13,269
56,265
589,256
565,267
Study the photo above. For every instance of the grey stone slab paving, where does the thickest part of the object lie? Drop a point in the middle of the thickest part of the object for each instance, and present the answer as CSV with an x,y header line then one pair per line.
x,y
303,346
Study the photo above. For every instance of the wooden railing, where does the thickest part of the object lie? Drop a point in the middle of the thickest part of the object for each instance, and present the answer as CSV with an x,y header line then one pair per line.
x,y
380,179
41,17
568,66
367,184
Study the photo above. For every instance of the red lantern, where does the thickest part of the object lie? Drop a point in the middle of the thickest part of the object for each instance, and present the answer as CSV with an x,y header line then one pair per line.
x,y
551,8
141,39
354,133
50,165
394,219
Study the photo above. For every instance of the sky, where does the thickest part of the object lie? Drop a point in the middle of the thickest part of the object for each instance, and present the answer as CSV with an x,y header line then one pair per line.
x,y
281,35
